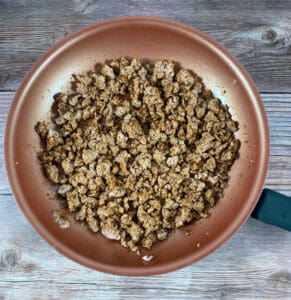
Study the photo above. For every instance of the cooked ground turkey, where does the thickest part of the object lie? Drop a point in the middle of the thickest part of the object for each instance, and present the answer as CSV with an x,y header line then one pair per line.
x,y
138,150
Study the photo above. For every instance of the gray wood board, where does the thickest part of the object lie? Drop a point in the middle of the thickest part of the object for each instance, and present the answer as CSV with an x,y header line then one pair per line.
x,y
254,264
278,108
258,33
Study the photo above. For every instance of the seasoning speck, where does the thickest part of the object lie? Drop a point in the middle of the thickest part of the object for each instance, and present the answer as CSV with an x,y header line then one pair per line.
x,y
198,245
17,162
188,232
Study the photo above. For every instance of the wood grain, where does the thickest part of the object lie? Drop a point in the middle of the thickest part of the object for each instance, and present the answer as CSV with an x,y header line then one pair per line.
x,y
278,108
256,32
255,263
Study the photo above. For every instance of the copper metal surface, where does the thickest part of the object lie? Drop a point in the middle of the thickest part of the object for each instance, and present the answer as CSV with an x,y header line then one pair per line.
x,y
147,38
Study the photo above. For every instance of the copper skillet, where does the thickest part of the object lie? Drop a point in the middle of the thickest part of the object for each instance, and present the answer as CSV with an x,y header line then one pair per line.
x,y
150,38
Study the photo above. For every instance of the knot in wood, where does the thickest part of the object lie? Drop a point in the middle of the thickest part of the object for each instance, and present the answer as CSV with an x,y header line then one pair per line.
x,y
269,35
10,259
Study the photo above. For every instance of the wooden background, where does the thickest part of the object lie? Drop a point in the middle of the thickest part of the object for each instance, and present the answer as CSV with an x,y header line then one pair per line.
x,y
256,262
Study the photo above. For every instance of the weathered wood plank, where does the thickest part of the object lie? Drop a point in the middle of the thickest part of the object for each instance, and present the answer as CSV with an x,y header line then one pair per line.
x,y
256,32
278,107
30,269
256,262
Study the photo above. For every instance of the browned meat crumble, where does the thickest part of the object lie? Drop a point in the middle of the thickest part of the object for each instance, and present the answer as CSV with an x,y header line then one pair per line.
x,y
138,150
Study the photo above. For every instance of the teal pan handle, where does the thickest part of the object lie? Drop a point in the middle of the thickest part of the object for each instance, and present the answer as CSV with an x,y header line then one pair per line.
x,y
274,208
